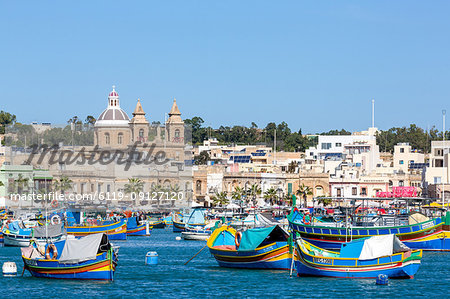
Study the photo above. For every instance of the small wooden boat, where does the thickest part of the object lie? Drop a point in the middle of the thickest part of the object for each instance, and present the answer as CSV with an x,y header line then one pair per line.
x,y
136,227
362,258
196,233
260,248
115,231
195,218
90,257
158,224
433,235
16,235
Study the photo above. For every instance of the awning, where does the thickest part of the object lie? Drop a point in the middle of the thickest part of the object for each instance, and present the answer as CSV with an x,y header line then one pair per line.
x,y
79,250
251,238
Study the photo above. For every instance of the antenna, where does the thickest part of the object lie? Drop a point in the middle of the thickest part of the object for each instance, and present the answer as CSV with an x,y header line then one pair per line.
x,y
373,113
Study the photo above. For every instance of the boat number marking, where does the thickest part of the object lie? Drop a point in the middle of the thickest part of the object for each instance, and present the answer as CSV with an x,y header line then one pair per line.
x,y
321,260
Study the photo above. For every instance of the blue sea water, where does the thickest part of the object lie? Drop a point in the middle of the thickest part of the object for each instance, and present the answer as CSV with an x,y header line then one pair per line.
x,y
202,277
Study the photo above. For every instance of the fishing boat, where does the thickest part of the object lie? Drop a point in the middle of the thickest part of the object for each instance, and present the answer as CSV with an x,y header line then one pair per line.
x,y
196,217
16,235
90,257
363,258
259,248
433,234
115,231
168,220
198,233
157,223
136,227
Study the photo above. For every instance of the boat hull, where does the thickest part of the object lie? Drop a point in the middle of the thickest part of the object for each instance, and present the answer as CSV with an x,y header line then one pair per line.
x,y
102,268
195,236
178,227
114,231
13,240
140,230
429,235
272,257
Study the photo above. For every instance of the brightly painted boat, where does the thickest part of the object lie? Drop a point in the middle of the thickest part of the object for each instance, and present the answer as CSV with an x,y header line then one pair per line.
x,y
158,224
90,257
433,235
260,248
136,227
195,218
363,258
115,231
16,235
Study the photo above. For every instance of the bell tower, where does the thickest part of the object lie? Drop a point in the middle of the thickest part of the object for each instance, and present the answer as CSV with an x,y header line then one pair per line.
x,y
139,125
175,125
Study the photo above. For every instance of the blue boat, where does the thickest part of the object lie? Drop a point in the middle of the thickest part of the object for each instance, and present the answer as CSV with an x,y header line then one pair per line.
x,y
16,235
90,257
136,227
195,218
362,258
259,248
115,231
433,234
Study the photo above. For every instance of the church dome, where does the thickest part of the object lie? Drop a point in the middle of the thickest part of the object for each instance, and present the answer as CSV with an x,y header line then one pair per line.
x,y
113,115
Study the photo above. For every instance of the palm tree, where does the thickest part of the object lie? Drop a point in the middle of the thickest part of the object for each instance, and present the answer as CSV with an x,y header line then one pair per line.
x,y
254,191
21,183
324,200
237,193
63,184
303,191
134,187
155,193
270,195
220,198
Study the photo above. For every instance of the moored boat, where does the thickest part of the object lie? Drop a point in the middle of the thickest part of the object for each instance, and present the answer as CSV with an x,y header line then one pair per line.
x,y
433,234
18,236
260,248
136,227
90,257
363,258
115,231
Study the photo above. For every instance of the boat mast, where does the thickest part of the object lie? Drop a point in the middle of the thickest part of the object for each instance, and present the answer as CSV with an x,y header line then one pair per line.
x,y
443,158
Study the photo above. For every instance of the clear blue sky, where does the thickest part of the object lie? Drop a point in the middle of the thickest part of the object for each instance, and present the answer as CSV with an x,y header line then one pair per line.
x,y
314,64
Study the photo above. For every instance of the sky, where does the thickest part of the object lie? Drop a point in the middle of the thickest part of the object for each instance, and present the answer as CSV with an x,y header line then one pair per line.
x,y
313,64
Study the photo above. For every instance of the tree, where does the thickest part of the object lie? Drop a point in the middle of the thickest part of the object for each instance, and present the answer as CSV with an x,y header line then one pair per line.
x,y
324,200
220,198
303,191
63,184
237,193
134,187
254,191
90,120
6,119
271,195
21,183
202,158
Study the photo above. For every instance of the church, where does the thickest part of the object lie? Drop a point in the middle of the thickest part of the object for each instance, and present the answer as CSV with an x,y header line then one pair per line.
x,y
114,129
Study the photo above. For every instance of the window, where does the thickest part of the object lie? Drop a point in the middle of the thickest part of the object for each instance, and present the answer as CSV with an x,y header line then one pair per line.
x,y
177,133
338,192
354,191
338,144
401,162
107,141
326,146
108,188
198,187
437,179
141,133
99,188
402,150
364,191
120,138
401,183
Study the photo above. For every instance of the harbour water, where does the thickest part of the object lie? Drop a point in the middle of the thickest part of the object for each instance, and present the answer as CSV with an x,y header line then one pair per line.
x,y
202,277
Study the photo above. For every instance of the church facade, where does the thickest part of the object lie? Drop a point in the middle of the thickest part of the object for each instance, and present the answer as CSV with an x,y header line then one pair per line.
x,y
114,129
